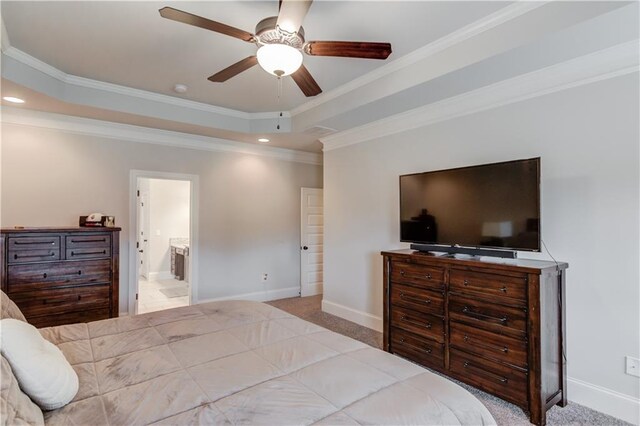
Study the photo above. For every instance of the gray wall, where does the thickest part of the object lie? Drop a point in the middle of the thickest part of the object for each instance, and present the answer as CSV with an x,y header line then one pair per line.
x,y
249,208
588,140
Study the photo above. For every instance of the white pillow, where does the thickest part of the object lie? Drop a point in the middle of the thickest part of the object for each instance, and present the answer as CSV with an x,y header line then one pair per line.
x,y
42,371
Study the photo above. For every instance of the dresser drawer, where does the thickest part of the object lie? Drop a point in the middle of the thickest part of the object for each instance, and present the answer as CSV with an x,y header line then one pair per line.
x,y
417,275
70,299
26,249
420,323
30,277
488,315
88,253
417,298
506,382
46,242
88,241
424,351
489,345
63,318
488,284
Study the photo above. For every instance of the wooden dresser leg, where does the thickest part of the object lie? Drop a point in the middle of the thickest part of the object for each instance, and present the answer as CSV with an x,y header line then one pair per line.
x,y
562,336
563,401
538,416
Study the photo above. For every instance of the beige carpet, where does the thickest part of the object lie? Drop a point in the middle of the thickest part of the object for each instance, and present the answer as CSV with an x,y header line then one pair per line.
x,y
309,308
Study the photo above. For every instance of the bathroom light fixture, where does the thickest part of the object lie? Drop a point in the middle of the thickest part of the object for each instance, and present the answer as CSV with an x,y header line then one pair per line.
x,y
279,59
13,99
263,140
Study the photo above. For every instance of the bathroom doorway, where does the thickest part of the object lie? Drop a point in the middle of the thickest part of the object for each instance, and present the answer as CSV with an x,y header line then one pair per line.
x,y
163,245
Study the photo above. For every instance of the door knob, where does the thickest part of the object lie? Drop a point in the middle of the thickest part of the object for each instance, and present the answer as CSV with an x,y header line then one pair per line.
x,y
305,248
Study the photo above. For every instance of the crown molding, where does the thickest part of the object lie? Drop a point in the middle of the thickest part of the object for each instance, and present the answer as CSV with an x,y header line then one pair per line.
x,y
601,65
471,30
130,133
35,63
4,36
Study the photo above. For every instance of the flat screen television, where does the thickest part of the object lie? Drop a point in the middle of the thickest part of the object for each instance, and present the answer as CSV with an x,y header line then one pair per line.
x,y
493,206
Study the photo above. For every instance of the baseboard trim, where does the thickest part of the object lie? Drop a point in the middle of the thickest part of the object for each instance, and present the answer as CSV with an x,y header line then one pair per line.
x,y
605,400
311,290
353,315
162,275
259,296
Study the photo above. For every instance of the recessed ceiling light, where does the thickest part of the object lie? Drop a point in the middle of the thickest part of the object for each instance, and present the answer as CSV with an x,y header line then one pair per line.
x,y
263,140
14,100
180,88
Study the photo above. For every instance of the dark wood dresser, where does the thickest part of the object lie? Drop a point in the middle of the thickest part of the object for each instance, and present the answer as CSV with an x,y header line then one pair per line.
x,y
61,275
496,325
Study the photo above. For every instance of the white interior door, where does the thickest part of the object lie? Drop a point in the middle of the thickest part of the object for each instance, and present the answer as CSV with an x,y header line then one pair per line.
x,y
311,241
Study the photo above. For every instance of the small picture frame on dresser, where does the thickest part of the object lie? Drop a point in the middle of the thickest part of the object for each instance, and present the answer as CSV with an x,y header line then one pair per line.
x,y
109,221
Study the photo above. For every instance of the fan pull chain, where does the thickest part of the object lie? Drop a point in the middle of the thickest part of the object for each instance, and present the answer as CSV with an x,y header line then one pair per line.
x,y
279,95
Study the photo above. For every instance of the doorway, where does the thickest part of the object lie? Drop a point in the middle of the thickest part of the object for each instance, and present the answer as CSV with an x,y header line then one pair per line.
x,y
311,241
163,246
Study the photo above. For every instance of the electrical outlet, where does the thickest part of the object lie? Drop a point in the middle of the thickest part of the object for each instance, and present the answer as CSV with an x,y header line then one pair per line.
x,y
632,366
265,277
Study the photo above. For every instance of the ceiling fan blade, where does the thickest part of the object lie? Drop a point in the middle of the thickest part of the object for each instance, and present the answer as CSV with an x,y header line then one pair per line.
x,y
305,82
207,24
292,13
234,69
349,49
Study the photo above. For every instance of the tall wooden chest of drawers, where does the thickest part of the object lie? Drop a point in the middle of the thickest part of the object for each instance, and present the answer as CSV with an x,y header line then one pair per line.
x,y
61,275
496,325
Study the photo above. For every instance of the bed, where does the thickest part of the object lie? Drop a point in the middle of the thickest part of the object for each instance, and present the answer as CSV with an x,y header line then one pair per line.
x,y
242,362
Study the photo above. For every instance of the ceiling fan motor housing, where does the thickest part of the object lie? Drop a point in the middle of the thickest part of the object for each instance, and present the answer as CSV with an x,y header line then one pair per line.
x,y
267,32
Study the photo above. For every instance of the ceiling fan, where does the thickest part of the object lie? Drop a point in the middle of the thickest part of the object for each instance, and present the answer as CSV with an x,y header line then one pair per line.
x,y
280,40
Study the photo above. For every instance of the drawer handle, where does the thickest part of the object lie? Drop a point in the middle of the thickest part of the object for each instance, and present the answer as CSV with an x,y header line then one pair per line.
x,y
44,275
482,345
503,289
425,350
79,297
428,276
414,299
465,282
80,272
89,252
487,374
402,272
406,319
25,243
103,240
478,315
15,256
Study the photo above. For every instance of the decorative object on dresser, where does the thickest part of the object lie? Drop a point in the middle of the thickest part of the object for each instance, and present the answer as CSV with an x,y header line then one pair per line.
x,y
61,275
496,325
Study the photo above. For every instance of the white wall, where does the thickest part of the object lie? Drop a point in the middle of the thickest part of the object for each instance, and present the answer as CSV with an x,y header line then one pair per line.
x,y
249,206
588,139
168,206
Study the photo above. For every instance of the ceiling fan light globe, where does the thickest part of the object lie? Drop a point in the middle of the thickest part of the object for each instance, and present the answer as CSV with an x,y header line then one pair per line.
x,y
279,59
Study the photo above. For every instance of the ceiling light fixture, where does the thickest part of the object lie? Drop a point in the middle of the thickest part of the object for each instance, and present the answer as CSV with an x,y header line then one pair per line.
x,y
264,140
279,59
180,88
14,100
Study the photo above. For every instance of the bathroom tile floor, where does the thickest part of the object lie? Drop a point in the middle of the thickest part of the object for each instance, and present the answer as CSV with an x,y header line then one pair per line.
x,y
151,299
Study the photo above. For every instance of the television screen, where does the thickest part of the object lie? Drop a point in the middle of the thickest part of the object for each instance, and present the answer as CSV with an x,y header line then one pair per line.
x,y
493,205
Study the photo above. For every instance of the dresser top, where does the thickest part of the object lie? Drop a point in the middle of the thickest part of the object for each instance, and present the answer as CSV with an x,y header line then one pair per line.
x,y
33,230
484,261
